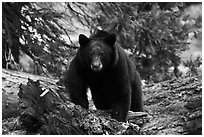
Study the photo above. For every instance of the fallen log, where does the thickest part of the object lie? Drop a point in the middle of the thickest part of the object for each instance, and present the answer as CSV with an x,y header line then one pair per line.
x,y
47,110
37,105
10,88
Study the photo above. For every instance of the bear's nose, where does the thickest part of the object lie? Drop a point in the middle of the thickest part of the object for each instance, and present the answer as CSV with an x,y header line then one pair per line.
x,y
96,67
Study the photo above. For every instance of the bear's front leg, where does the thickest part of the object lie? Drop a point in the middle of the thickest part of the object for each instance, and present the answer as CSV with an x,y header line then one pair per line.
x,y
121,108
76,87
137,97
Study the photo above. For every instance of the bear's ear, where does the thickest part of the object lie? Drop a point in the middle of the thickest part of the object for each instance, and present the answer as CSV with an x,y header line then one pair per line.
x,y
83,40
110,39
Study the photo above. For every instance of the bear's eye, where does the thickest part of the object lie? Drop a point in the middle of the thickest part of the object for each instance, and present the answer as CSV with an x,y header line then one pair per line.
x,y
91,54
102,54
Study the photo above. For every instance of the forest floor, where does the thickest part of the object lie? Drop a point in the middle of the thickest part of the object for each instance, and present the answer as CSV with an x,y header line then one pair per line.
x,y
174,106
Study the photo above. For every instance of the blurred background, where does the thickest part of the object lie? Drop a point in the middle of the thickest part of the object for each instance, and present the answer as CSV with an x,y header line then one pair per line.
x,y
164,39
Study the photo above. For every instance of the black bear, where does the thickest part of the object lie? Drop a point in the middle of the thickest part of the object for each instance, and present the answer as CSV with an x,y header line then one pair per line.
x,y
102,65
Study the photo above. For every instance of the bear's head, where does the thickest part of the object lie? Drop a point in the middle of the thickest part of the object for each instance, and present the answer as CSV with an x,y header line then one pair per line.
x,y
97,52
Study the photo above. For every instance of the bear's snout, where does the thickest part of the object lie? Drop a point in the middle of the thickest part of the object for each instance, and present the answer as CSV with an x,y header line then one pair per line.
x,y
96,66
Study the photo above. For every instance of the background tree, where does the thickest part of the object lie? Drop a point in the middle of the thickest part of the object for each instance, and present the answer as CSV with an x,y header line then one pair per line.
x,y
37,29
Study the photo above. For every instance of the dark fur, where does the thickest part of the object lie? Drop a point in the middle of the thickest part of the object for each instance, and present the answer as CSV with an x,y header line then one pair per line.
x,y
117,86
